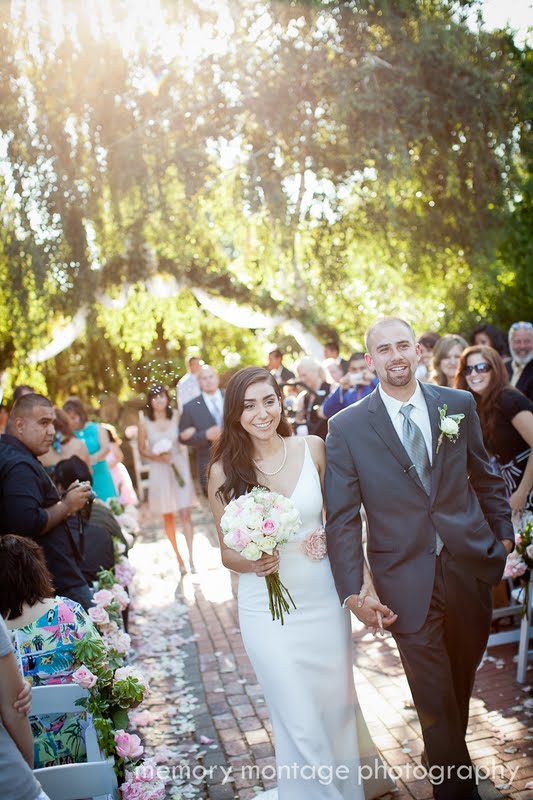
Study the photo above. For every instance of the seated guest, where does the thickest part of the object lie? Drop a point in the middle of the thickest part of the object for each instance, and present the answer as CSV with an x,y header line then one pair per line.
x,y
356,384
65,444
334,372
445,360
44,630
521,366
97,441
16,742
94,542
30,505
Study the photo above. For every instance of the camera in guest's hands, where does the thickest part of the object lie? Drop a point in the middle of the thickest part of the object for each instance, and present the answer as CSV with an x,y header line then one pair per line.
x,y
85,511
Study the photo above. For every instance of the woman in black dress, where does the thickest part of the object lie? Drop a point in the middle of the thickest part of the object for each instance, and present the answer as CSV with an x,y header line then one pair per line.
x,y
506,417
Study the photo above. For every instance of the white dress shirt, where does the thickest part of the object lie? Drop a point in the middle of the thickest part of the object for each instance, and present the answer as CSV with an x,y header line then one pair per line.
x,y
215,404
419,415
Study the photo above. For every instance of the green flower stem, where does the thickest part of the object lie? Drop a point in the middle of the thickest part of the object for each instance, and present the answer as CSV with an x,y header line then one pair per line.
x,y
177,475
278,597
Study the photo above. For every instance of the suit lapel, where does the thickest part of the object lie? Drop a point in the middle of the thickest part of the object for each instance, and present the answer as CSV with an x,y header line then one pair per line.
x,y
381,422
433,399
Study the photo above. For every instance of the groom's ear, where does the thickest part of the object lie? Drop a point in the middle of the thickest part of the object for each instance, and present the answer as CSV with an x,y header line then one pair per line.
x,y
369,362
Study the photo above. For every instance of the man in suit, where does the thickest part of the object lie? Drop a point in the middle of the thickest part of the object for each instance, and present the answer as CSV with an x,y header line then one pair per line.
x,y
205,414
439,530
521,366
277,369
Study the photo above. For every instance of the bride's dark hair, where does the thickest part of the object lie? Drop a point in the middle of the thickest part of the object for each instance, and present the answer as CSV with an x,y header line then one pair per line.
x,y
234,448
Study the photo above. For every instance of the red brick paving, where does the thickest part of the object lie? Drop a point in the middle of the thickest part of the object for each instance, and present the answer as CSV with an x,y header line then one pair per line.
x,y
499,721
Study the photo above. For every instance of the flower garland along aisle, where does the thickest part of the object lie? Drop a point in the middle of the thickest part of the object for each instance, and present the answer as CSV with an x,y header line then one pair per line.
x,y
113,686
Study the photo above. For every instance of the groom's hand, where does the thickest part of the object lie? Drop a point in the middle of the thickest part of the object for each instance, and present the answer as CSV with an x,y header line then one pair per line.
x,y
370,611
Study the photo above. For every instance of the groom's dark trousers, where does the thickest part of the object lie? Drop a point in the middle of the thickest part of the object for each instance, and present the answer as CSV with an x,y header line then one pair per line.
x,y
443,601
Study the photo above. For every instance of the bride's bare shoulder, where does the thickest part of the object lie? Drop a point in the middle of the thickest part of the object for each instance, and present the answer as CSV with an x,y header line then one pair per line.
x,y
216,472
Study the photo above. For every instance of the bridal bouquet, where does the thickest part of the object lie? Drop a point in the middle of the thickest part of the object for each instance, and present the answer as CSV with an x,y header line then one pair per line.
x,y
257,523
165,446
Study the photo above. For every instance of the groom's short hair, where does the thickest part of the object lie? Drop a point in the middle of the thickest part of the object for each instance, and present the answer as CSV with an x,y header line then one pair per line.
x,y
385,321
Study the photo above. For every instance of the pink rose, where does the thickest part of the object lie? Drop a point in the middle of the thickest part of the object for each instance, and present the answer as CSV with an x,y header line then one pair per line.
x,y
269,526
128,745
241,537
99,615
120,595
103,598
315,545
84,677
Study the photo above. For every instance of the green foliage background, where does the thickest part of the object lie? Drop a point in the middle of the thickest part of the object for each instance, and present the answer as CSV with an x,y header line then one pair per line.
x,y
326,161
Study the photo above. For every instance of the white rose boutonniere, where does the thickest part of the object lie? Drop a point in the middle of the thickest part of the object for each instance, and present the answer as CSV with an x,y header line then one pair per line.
x,y
449,426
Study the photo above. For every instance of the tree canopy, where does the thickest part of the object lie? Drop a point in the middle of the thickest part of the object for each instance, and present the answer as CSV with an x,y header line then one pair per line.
x,y
326,161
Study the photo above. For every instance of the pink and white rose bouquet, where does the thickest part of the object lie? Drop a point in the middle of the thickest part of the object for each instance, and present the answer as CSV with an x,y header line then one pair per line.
x,y
257,523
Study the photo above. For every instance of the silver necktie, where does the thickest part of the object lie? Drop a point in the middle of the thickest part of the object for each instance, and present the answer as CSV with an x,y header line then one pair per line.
x,y
415,444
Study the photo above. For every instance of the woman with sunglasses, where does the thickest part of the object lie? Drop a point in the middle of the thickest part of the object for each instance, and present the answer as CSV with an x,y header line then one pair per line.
x,y
506,417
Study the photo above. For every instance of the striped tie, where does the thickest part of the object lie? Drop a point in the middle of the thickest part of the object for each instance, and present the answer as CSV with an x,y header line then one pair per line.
x,y
415,444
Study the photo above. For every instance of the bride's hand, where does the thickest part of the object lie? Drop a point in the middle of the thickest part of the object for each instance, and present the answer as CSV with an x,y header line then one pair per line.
x,y
266,565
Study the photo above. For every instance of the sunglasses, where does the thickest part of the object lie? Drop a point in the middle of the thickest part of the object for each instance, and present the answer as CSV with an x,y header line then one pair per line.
x,y
516,326
479,368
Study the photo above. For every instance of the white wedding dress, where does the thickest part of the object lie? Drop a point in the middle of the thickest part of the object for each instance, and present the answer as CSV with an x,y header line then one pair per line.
x,y
304,668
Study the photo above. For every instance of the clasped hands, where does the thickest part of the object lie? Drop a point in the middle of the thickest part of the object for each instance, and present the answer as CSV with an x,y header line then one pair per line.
x,y
369,610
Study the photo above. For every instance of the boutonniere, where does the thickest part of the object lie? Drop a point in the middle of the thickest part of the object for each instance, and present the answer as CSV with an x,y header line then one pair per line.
x,y
449,425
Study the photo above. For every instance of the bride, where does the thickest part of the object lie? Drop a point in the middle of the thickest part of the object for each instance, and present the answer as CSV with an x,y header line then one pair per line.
x,y
304,667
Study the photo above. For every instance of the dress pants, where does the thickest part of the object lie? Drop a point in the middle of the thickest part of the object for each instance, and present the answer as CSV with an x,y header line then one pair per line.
x,y
440,662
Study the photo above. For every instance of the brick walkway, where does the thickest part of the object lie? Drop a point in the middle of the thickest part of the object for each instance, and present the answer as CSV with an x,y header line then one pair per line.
x,y
208,713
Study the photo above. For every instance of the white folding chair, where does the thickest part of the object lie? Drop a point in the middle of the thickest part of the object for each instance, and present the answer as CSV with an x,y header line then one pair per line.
x,y
94,779
521,633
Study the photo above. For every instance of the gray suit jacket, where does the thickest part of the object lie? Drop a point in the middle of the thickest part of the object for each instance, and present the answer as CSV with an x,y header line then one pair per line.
x,y
367,463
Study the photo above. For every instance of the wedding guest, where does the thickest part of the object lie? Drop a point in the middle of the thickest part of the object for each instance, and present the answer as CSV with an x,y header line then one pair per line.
x,y
93,541
121,477
521,347
331,350
426,343
356,384
4,416
16,743
170,490
21,390
44,630
308,418
489,335
506,417
188,387
97,441
333,371
446,355
276,367
204,416
30,505
65,444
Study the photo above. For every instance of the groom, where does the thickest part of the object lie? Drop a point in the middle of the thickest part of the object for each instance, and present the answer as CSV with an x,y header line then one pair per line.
x,y
439,530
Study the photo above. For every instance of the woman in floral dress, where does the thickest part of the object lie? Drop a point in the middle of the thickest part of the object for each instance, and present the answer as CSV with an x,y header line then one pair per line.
x,y
44,630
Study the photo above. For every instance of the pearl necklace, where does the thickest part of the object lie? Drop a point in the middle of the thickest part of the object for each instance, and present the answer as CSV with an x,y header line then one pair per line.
x,y
282,463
